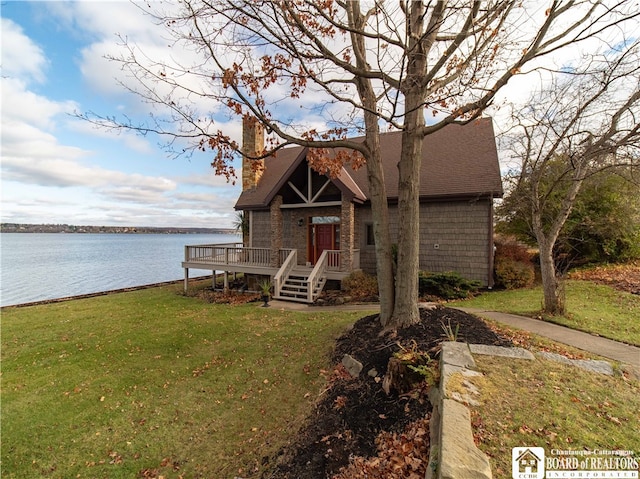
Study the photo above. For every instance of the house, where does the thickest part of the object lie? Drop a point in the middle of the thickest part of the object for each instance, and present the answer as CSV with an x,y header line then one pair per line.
x,y
305,228
528,462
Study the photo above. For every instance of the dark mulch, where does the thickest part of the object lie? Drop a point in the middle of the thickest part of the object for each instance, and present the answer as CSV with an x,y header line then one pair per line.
x,y
352,412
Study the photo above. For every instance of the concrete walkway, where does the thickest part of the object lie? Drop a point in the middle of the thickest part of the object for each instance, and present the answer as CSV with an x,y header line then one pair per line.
x,y
604,347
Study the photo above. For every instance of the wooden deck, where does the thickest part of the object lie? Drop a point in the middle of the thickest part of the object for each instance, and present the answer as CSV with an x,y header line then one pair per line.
x,y
235,258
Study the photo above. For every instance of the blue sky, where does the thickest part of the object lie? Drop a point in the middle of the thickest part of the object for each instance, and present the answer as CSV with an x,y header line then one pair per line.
x,y
58,169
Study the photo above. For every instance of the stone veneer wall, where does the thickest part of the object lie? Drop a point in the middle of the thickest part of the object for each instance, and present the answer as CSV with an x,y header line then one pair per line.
x,y
347,233
276,230
293,236
460,229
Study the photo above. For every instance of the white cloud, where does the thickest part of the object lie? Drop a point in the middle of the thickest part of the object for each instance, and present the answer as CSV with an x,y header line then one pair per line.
x,y
21,57
20,105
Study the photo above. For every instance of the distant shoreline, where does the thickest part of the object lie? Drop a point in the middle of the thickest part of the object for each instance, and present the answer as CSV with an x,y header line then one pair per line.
x,y
75,229
101,293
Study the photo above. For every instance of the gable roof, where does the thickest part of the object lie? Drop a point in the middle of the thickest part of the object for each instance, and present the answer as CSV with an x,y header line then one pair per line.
x,y
457,161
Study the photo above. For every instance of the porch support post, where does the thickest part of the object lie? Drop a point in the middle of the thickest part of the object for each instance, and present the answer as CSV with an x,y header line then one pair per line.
x,y
276,231
226,281
347,233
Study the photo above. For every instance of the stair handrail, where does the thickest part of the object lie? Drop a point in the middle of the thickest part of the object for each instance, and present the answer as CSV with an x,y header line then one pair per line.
x,y
283,273
316,275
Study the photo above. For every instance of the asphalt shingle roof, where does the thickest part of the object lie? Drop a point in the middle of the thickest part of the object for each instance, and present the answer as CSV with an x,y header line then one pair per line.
x,y
457,161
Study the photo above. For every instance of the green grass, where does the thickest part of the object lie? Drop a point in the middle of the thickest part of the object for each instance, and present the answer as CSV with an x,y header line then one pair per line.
x,y
153,382
546,404
591,307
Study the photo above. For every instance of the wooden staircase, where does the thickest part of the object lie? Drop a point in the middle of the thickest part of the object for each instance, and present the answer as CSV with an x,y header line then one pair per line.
x,y
296,287
295,283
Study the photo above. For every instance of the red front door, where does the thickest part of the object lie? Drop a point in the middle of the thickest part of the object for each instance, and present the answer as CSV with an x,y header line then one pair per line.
x,y
322,237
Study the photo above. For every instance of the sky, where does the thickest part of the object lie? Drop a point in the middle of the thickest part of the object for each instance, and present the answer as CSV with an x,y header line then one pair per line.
x,y
58,169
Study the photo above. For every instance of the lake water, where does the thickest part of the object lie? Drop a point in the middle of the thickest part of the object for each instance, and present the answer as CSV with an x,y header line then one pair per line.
x,y
41,266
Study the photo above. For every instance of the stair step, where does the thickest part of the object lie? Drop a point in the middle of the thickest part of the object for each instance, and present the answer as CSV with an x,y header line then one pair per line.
x,y
293,298
296,284
294,294
293,291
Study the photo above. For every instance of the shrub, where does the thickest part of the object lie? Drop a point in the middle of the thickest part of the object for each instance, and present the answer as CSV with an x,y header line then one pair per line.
x,y
448,285
360,285
513,265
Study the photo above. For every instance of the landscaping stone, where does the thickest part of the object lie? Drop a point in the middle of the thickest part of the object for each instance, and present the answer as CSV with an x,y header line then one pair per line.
x,y
373,372
455,384
352,365
427,306
518,353
457,354
453,448
463,459
592,365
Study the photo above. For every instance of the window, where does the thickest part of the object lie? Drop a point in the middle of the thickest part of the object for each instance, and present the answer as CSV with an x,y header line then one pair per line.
x,y
325,220
369,237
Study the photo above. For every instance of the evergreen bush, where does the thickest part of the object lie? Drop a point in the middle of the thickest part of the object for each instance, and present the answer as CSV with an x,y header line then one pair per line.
x,y
449,285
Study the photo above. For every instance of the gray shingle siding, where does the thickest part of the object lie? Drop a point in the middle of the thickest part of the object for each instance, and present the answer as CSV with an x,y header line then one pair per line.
x,y
460,229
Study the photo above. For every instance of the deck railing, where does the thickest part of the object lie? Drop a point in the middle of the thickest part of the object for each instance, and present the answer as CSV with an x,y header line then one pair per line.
x,y
283,273
236,254
335,262
314,279
227,254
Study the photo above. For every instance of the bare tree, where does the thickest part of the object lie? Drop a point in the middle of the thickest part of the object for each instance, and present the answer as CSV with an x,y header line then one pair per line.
x,y
584,122
357,66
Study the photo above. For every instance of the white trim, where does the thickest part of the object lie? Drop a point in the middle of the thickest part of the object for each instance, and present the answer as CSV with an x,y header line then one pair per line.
x,y
306,200
362,195
311,205
320,191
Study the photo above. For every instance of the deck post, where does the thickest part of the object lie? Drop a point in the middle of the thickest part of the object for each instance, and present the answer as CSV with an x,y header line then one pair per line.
x,y
186,270
213,280
226,281
275,217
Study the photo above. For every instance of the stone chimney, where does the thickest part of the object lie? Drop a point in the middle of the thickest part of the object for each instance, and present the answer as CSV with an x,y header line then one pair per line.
x,y
252,146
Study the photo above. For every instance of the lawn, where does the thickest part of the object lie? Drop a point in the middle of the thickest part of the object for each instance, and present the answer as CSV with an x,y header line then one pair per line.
x,y
593,308
152,383
546,404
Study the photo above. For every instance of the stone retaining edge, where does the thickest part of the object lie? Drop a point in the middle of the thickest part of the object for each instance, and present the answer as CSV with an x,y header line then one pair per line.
x,y
453,453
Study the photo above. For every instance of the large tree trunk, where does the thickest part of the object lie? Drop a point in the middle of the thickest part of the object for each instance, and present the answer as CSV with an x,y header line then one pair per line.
x,y
554,301
380,212
406,310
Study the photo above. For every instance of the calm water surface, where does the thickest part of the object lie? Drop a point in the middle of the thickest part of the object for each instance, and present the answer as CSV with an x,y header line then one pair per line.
x,y
40,266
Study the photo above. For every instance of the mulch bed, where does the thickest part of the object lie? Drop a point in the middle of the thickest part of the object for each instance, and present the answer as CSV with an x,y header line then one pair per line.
x,y
353,412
